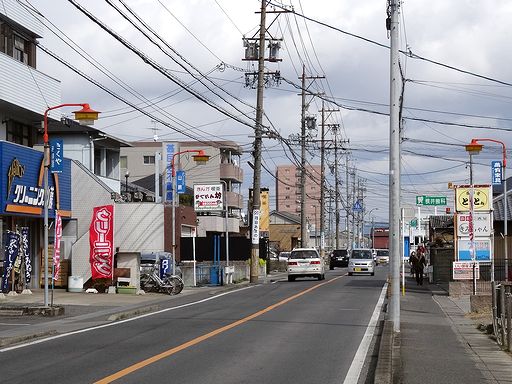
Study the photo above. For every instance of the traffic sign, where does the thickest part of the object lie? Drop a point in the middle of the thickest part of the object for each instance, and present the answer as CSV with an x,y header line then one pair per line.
x,y
358,207
430,200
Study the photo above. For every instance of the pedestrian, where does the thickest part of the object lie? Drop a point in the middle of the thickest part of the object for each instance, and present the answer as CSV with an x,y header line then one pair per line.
x,y
418,265
413,260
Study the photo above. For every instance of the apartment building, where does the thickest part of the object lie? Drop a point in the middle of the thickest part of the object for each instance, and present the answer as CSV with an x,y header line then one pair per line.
x,y
289,188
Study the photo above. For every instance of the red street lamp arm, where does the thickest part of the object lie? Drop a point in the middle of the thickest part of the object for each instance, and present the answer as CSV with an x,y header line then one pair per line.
x,y
199,152
475,141
85,109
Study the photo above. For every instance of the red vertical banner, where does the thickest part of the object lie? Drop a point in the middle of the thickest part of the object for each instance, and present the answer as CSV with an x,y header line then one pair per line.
x,y
101,239
56,246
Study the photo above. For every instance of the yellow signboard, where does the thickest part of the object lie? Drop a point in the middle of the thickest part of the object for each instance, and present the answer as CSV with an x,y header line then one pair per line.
x,y
482,198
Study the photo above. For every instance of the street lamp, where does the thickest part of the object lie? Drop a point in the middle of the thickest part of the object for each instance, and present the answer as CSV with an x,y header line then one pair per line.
x,y
201,158
126,176
86,116
369,214
316,231
475,145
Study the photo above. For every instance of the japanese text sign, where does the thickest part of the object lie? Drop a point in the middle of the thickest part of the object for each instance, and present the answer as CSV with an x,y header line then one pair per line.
x,y
56,155
208,197
101,238
481,198
496,173
481,224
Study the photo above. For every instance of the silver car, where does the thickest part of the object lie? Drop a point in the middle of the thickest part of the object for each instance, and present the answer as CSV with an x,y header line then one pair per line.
x,y
361,261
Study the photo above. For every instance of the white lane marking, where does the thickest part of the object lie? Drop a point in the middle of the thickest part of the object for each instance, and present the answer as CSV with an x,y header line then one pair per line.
x,y
15,324
357,363
18,346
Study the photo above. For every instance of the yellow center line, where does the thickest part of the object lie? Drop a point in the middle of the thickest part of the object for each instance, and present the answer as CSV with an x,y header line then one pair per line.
x,y
197,340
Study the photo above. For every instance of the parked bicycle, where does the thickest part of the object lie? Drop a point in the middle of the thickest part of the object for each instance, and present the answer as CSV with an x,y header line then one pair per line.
x,y
151,281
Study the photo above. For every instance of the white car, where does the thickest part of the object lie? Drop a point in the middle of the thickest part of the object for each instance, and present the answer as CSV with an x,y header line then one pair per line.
x,y
305,262
361,261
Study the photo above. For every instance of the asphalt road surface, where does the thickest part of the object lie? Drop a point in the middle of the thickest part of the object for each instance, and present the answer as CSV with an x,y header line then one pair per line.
x,y
306,331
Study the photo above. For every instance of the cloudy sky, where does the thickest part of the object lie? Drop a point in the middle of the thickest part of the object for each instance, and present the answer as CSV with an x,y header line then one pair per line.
x,y
345,41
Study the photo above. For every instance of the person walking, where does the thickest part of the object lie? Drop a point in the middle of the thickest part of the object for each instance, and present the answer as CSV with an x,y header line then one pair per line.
x,y
419,264
413,261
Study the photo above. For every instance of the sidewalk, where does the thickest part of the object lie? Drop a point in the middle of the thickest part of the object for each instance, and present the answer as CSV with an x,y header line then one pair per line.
x,y
439,343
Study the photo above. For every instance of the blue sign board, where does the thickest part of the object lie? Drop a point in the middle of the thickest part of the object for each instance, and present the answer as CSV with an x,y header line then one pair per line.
x,y
482,249
358,207
496,173
165,267
56,155
22,190
180,182
169,153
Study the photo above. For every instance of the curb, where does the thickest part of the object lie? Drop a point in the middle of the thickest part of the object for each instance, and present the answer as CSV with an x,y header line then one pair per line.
x,y
384,369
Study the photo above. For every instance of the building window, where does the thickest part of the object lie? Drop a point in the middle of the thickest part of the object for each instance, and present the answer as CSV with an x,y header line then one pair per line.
x,y
123,160
148,160
19,133
19,49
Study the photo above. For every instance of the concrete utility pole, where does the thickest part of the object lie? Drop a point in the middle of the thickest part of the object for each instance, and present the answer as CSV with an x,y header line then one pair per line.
x,y
394,165
347,201
322,185
336,187
351,205
255,227
303,224
304,106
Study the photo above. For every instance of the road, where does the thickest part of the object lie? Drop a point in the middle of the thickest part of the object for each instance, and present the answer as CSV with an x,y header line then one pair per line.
x,y
306,331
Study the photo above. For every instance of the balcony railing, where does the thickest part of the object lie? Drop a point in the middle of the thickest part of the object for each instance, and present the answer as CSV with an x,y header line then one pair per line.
x,y
235,200
229,171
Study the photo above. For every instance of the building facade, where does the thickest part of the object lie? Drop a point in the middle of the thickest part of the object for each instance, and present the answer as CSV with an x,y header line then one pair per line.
x,y
289,188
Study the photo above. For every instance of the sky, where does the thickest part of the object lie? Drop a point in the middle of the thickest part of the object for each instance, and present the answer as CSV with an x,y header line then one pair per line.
x,y
458,89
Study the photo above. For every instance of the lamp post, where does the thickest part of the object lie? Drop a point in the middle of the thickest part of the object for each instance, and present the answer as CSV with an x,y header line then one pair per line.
x,y
200,158
478,148
85,116
369,214
316,231
126,176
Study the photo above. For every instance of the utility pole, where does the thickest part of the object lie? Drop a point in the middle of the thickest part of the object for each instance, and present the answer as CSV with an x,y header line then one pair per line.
x,y
351,207
304,106
303,223
336,187
394,164
255,227
349,246
322,185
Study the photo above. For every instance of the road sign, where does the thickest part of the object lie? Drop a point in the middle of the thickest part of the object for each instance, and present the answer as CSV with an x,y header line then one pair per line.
x,y
430,200
414,223
358,207
496,173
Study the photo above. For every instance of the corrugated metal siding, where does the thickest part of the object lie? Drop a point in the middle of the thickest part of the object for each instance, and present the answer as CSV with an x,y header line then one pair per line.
x,y
86,192
139,227
22,86
16,12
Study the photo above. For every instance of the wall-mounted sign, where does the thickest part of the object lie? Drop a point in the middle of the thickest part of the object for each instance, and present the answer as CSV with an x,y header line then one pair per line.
x,y
22,190
208,197
481,198
481,224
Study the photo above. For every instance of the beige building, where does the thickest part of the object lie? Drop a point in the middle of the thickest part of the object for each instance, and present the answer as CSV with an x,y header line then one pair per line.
x,y
288,191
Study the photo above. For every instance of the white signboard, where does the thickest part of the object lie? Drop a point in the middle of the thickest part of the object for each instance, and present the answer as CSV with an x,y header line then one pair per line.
x,y
208,197
255,228
481,224
463,270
